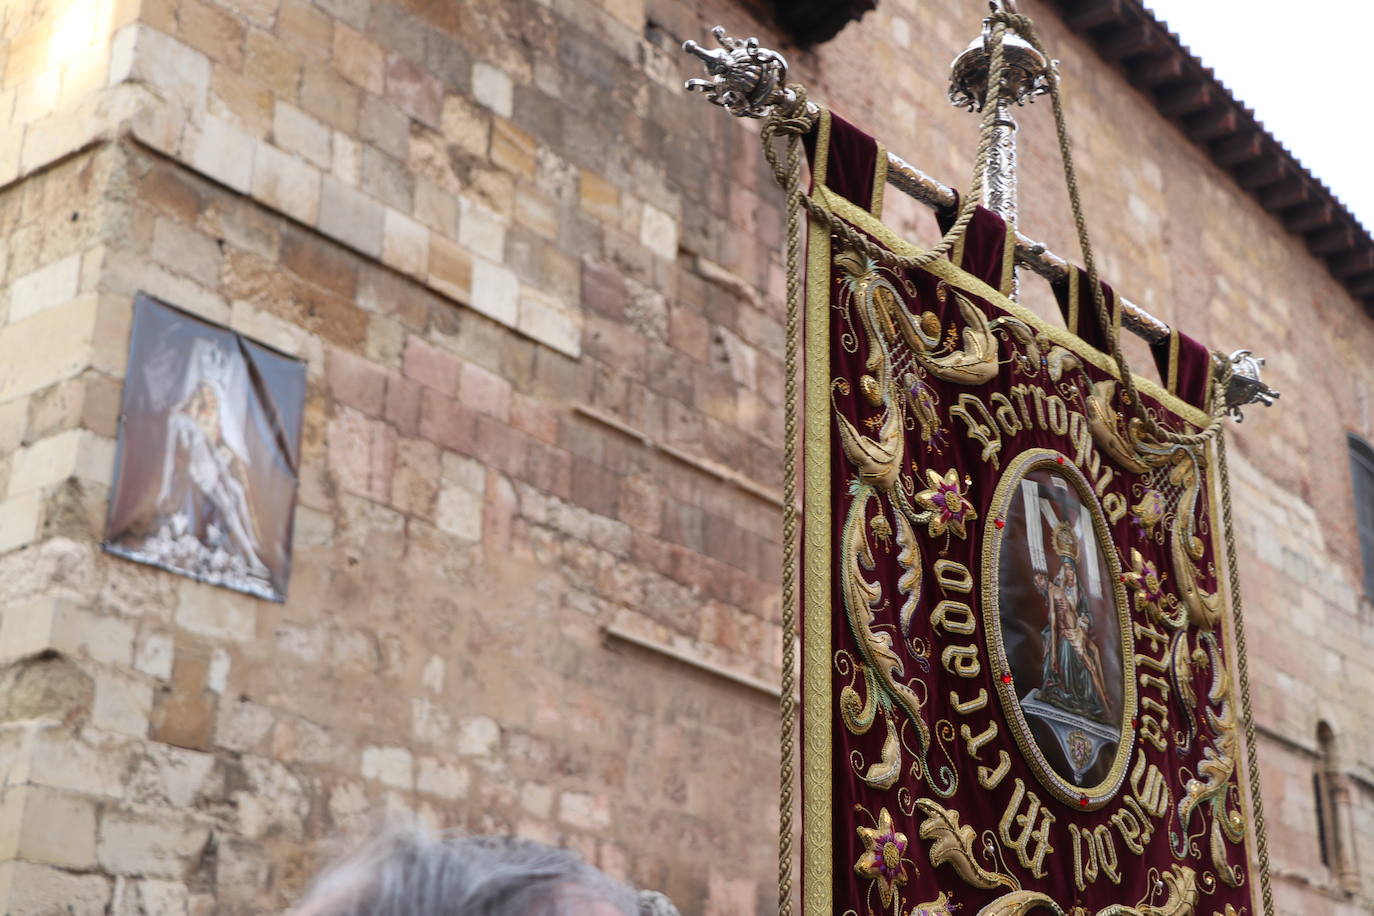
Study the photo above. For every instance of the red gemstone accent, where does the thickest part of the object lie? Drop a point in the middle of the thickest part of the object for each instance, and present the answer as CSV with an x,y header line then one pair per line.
x,y
1060,459
1000,524
1083,801
1135,723
1006,679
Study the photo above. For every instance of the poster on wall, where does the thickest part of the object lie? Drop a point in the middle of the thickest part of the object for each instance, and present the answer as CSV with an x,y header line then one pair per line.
x,y
1018,691
209,453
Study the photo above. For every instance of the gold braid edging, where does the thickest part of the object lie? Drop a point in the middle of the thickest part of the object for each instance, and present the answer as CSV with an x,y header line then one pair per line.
x,y
786,703
1247,718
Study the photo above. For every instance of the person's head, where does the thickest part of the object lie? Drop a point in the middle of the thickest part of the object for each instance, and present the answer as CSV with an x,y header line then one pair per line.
x,y
408,872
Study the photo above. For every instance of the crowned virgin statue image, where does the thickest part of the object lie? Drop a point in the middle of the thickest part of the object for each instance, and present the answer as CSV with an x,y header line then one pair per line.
x,y
1060,628
1072,679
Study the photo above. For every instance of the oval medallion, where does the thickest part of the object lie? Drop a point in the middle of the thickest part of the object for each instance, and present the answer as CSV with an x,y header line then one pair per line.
x,y
1059,628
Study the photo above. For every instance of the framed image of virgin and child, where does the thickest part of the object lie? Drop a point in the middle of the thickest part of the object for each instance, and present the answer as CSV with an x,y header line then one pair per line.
x,y
209,453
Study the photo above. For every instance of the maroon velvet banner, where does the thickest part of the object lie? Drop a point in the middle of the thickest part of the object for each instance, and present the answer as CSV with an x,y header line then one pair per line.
x,y
1016,693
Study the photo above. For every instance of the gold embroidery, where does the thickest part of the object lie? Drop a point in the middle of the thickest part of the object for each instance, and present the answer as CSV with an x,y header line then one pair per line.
x,y
969,706
948,507
1030,834
1008,260
879,182
1071,320
909,559
991,779
952,275
984,430
973,743
884,484
1172,380
884,857
1214,784
952,843
953,577
818,840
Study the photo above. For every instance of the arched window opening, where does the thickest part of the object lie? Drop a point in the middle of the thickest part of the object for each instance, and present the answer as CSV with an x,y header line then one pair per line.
x,y
1362,478
1328,791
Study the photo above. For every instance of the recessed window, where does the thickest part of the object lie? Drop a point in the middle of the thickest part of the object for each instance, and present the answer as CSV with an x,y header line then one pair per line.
x,y
1329,801
1362,476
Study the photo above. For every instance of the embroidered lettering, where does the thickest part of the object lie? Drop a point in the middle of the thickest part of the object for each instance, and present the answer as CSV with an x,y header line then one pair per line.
x,y
1029,833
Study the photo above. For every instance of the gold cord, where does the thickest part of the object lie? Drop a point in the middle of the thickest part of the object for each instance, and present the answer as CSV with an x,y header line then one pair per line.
x,y
786,704
1247,718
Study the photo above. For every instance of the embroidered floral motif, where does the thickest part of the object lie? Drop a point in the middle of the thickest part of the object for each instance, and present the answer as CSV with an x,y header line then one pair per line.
x,y
883,858
1150,509
1147,584
949,507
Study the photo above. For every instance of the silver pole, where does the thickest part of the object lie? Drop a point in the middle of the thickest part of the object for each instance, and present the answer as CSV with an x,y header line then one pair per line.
x,y
999,188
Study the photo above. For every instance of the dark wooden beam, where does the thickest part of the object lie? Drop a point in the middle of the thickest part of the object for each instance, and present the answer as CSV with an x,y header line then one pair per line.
x,y
1089,14
1185,99
1148,72
1352,263
1130,40
812,22
1331,240
1312,216
1262,173
1361,285
1285,194
1241,148
1212,124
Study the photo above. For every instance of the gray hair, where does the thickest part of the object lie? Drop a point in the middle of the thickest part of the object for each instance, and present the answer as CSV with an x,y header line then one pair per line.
x,y
408,872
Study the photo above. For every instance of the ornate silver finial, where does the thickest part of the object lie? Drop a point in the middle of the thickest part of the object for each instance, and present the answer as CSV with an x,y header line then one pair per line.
x,y
745,79
1027,73
1246,387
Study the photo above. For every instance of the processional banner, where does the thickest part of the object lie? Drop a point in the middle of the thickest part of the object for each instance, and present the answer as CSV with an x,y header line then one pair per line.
x,y
1017,694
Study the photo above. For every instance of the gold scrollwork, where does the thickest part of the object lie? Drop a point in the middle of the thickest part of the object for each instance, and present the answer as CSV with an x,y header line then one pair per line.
x,y
952,844
1213,787
881,665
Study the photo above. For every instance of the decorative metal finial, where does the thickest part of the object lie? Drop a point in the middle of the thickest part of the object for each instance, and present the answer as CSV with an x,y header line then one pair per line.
x,y
1027,72
744,79
1246,387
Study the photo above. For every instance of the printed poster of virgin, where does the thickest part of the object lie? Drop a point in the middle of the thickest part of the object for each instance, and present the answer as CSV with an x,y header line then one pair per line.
x,y
209,453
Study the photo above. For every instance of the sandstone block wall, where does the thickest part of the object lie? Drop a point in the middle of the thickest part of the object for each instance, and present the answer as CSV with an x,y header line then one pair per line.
x,y
538,293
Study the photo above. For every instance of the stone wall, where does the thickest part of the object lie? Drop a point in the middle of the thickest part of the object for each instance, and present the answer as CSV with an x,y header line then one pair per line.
x,y
538,293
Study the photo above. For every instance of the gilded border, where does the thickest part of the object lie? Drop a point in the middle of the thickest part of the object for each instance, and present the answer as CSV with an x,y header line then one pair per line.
x,y
1071,297
1172,380
817,714
953,275
1008,261
1015,470
1214,510
879,182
